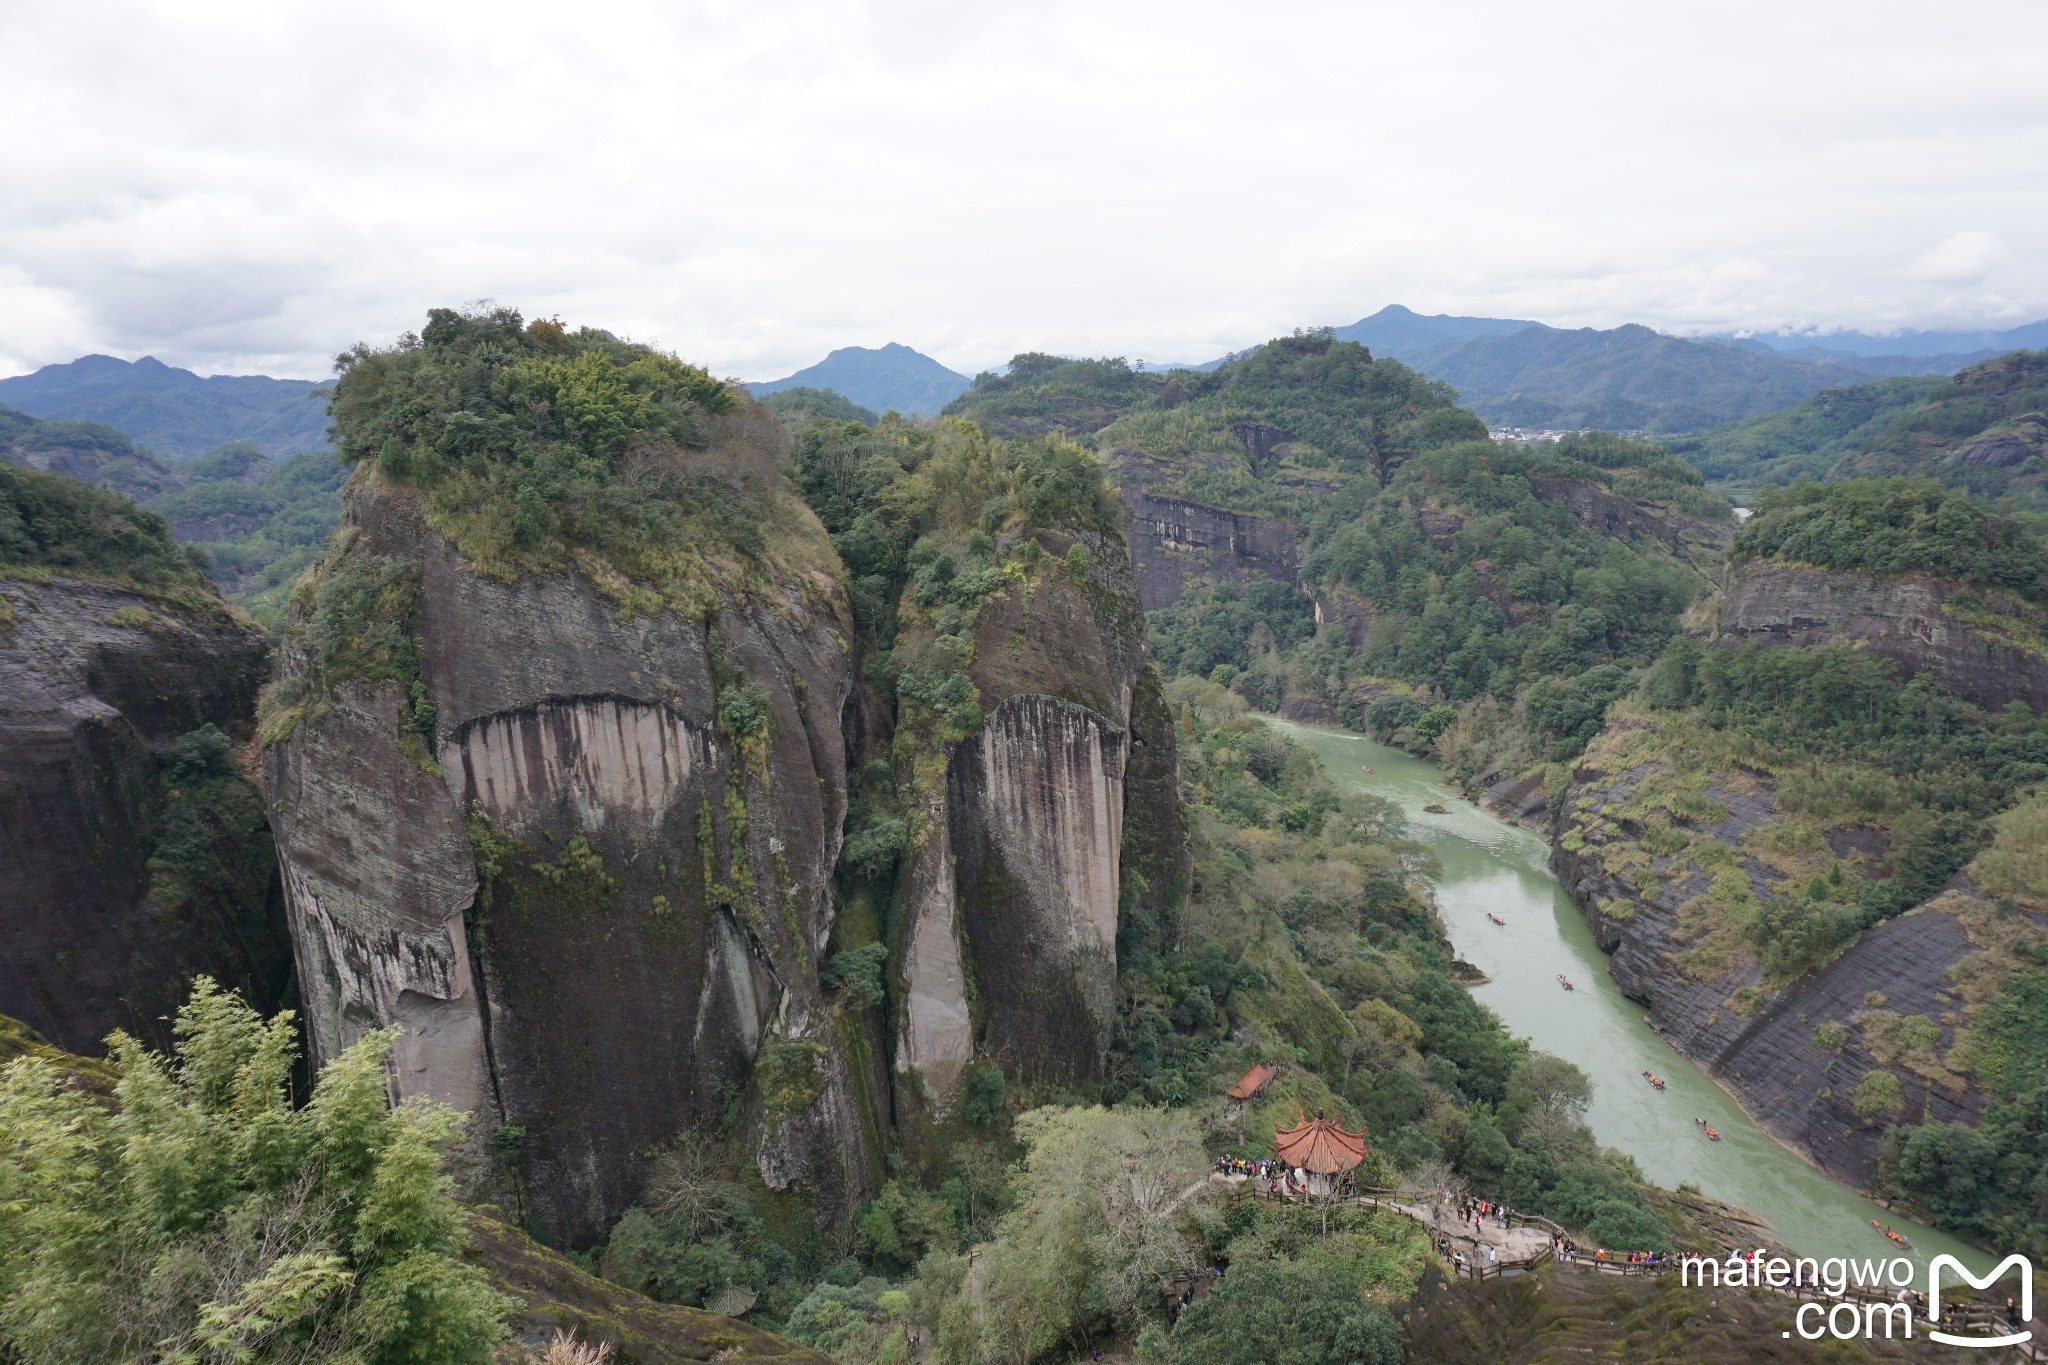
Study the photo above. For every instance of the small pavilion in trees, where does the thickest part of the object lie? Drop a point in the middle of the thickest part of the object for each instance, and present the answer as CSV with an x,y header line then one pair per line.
x,y
1253,1087
1323,1151
1249,1091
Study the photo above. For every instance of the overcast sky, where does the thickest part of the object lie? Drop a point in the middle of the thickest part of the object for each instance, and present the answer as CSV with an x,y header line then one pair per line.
x,y
251,187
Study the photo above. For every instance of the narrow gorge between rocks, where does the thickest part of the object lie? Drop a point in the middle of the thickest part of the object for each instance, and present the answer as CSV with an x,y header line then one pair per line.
x,y
1488,866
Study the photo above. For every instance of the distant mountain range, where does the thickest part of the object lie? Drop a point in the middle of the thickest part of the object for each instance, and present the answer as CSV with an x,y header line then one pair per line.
x,y
1825,345
891,377
175,413
1528,374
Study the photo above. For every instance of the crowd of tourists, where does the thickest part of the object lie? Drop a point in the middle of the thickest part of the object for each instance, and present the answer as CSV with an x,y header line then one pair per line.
x,y
1567,1250
1473,1213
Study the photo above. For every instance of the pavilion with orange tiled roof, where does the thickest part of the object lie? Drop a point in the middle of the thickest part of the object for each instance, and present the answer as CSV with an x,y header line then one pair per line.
x,y
1253,1087
1321,1148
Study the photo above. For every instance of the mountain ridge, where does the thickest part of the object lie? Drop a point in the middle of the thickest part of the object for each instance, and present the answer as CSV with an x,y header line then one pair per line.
x,y
890,377
172,412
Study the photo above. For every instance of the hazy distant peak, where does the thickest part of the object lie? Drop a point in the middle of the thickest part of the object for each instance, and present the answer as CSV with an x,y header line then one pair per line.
x,y
888,377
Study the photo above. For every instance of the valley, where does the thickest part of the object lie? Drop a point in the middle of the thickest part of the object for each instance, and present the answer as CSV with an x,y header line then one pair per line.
x,y
765,858
1493,868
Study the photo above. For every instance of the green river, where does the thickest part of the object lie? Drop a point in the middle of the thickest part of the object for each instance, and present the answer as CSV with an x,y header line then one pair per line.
x,y
1493,867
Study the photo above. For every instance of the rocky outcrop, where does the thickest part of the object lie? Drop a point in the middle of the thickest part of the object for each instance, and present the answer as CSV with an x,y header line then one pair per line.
x,y
1767,1046
1059,819
1307,710
1667,867
98,927
596,910
1173,541
1927,625
1036,803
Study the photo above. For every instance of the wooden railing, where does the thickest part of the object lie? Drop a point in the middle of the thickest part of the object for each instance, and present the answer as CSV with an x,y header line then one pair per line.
x,y
1967,1316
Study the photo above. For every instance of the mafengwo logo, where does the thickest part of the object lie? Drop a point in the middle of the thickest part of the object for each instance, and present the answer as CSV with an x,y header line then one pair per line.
x,y
1869,1295
2026,1298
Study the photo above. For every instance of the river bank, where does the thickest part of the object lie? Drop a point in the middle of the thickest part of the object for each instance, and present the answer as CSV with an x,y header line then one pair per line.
x,y
1492,868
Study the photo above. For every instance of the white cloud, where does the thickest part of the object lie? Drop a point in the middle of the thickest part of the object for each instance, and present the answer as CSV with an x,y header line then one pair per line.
x,y
243,186
1964,258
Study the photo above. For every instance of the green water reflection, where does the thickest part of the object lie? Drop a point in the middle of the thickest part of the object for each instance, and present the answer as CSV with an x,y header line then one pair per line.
x,y
1492,867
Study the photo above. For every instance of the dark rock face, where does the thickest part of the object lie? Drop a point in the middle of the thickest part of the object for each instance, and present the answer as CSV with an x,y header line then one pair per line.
x,y
1440,527
1916,621
603,909
93,681
1262,444
1035,803
1173,540
1596,509
1768,1058
1999,451
1058,820
1308,710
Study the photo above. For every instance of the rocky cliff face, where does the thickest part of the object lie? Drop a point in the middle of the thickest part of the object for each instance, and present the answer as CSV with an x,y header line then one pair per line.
x,y
1927,625
1057,818
116,888
1172,540
597,899
1775,1048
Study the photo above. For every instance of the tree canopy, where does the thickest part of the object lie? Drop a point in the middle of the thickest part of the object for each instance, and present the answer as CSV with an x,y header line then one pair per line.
x,y
1896,526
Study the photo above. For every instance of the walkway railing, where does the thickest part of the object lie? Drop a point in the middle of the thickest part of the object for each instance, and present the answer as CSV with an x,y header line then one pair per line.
x,y
1966,1316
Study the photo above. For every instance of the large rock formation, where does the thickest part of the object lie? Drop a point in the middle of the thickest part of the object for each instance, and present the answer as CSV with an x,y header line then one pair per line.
x,y
1060,816
102,920
1173,540
1927,625
1767,1045
597,902
1662,854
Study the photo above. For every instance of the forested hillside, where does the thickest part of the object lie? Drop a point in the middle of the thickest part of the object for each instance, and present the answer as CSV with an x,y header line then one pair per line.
x,y
1338,535
255,524
1985,432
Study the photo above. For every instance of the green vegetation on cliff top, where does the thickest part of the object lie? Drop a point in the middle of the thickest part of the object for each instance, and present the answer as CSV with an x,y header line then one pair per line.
x,y
1890,527
1984,432
537,447
1307,401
